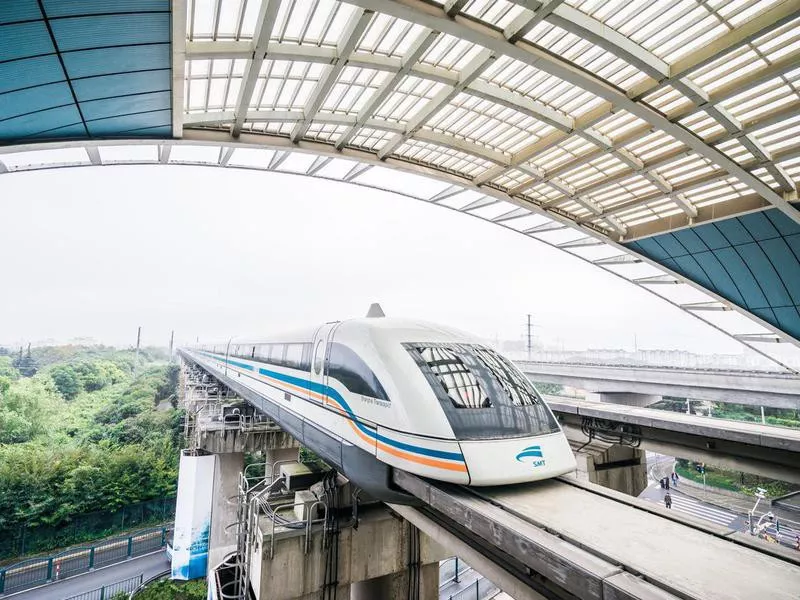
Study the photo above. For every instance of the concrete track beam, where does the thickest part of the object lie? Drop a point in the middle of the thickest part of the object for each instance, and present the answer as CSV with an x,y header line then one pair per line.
x,y
626,398
613,466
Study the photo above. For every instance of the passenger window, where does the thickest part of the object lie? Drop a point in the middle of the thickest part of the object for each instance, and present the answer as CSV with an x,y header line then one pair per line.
x,y
319,353
276,354
294,356
346,366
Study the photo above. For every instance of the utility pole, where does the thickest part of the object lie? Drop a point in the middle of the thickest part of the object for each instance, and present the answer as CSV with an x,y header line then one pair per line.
x,y
171,344
530,336
138,343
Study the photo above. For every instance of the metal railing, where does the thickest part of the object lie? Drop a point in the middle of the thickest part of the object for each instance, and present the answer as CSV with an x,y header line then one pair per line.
x,y
450,569
482,589
112,591
144,584
73,561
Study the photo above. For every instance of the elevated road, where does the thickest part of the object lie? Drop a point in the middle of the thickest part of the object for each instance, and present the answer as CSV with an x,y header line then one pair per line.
x,y
757,388
764,449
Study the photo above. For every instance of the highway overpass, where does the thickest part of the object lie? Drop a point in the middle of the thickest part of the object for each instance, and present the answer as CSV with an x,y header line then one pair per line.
x,y
621,383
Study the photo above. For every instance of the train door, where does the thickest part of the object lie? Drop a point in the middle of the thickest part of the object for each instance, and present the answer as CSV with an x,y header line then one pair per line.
x,y
319,361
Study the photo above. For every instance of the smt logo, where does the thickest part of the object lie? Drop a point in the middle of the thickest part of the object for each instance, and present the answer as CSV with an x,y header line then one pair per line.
x,y
534,453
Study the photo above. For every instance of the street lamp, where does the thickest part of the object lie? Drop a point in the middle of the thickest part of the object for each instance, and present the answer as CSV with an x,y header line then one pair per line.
x,y
760,495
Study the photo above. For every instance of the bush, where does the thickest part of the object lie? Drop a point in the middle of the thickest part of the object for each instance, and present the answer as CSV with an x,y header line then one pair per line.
x,y
167,589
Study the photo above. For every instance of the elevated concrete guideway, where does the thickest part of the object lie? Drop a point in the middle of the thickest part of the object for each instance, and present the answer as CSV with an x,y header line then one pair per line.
x,y
757,388
549,538
766,450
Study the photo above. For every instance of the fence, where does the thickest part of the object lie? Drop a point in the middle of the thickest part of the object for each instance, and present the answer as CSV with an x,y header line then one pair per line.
x,y
451,569
37,571
482,589
112,591
84,528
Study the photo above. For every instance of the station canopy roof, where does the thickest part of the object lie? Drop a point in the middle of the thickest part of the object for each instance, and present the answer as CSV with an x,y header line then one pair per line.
x,y
640,136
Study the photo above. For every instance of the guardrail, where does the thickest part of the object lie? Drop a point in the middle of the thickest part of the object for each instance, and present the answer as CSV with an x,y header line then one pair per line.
x,y
73,561
142,585
450,569
482,589
112,590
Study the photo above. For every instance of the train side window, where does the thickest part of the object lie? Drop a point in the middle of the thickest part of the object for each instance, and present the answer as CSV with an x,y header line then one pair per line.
x,y
276,354
294,356
305,361
346,366
319,357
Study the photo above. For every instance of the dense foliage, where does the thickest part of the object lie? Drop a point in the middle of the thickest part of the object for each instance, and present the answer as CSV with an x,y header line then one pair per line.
x,y
735,481
87,432
167,589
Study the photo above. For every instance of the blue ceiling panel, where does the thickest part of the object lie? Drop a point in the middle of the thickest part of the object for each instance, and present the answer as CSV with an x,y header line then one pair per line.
x,y
81,33
29,72
67,63
125,105
752,260
76,130
39,122
23,40
72,8
120,125
31,100
159,131
13,11
108,86
106,61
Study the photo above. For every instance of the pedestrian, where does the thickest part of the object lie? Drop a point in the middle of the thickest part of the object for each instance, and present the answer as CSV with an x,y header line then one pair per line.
x,y
797,543
667,500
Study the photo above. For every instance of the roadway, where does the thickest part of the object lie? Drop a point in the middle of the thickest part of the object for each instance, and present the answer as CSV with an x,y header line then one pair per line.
x,y
149,564
755,388
76,560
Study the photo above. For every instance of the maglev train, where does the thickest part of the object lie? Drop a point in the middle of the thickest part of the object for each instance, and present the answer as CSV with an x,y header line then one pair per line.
x,y
372,394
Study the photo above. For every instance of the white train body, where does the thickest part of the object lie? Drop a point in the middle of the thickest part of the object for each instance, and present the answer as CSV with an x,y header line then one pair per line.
x,y
414,396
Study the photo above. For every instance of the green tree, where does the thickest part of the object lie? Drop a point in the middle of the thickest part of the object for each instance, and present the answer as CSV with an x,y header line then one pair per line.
x,y
67,381
27,407
549,389
7,369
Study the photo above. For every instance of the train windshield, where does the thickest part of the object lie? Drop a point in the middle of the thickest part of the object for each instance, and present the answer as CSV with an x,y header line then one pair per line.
x,y
482,393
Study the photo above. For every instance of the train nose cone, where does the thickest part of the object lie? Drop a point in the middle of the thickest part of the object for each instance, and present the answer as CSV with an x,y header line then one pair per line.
x,y
500,462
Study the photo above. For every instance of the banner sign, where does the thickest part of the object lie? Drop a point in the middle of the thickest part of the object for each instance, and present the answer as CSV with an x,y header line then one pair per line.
x,y
193,516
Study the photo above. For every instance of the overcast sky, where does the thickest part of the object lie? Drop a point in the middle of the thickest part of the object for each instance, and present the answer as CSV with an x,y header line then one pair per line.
x,y
95,252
